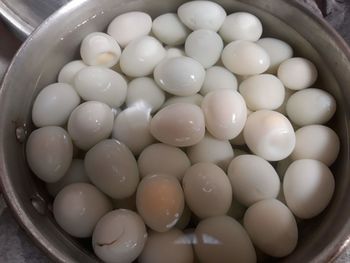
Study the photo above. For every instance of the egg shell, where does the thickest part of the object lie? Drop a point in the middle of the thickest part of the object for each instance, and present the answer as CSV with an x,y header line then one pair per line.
x,y
202,15
211,150
68,71
207,190
54,104
75,174
160,158
129,26
262,92
160,201
49,152
171,247
297,73
144,93
311,106
278,51
205,46
90,123
269,134
217,77
101,84
132,127
78,207
227,122
245,58
241,26
100,49
180,124
316,142
169,29
119,236
253,179
308,187
141,56
195,99
272,227
221,239
181,76
111,166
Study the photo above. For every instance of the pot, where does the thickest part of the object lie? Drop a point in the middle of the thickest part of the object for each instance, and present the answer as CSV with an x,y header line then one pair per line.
x,y
57,41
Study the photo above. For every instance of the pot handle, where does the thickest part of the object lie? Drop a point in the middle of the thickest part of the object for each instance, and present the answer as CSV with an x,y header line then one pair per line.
x,y
19,27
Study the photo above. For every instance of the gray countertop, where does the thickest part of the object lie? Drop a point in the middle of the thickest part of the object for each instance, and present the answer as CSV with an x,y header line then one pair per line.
x,y
15,246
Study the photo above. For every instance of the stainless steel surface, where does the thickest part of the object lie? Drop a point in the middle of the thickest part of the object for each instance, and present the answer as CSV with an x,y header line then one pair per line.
x,y
57,40
25,15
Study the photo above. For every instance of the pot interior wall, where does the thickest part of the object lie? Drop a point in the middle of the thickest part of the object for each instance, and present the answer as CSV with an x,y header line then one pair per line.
x,y
57,42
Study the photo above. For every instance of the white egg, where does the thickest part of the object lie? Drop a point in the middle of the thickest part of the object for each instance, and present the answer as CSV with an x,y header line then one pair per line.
x,y
218,78
129,26
269,134
169,29
245,58
272,227
78,207
132,127
236,209
195,99
160,201
119,236
144,93
160,158
211,150
262,92
100,49
126,203
184,219
297,73
173,52
316,142
170,247
54,104
222,239
68,71
308,187
205,46
241,26
253,179
202,15
49,152
141,56
287,93
181,76
111,166
278,51
180,124
225,113
90,123
101,84
311,106
75,174
207,190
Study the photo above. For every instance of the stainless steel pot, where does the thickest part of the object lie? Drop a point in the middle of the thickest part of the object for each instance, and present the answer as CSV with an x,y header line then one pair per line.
x,y
56,42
